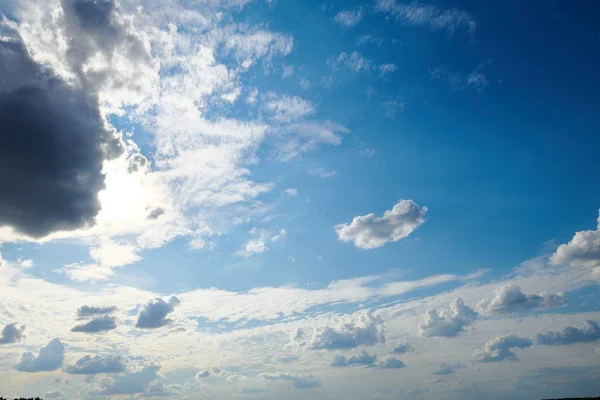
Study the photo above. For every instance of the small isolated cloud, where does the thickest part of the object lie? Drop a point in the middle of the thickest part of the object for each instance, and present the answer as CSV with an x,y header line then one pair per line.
x,y
54,394
402,348
299,381
253,247
499,348
390,362
385,69
420,14
89,311
448,323
364,330
322,172
219,373
89,365
370,232
299,137
25,263
280,235
291,192
128,383
12,333
582,251
363,358
50,358
589,331
348,18
369,153
446,369
98,324
154,313
477,80
509,298
353,61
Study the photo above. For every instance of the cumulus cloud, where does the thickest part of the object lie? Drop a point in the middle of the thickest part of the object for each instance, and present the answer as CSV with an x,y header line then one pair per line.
x,y
348,18
445,369
582,251
12,333
448,323
154,313
299,381
253,247
370,232
89,365
129,383
111,254
416,13
364,330
89,311
499,348
98,324
50,358
390,362
220,373
363,358
509,298
402,348
54,394
589,331
52,149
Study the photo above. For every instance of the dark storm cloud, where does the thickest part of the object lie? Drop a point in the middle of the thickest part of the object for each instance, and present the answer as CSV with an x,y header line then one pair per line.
x,y
88,311
89,365
51,358
98,324
53,142
154,313
12,333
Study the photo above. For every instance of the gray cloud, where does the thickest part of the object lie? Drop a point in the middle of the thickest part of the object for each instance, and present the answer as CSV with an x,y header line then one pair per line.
x,y
52,148
370,232
499,348
510,298
445,369
589,331
448,323
50,358
154,313
96,365
363,358
129,383
299,381
54,394
220,373
88,311
390,362
12,333
366,330
98,324
402,347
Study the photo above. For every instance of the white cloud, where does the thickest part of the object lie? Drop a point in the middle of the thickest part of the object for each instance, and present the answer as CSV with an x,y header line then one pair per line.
x,y
287,71
292,259
348,18
111,254
393,107
510,298
428,15
25,263
299,381
478,80
500,348
447,323
220,373
89,365
300,137
50,358
280,235
287,108
363,358
402,348
128,383
291,192
322,172
253,247
81,272
390,362
385,69
370,232
369,153
589,331
354,61
583,251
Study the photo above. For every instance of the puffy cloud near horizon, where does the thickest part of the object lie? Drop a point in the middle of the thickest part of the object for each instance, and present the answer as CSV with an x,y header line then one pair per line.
x,y
589,331
299,381
509,298
362,358
50,358
446,369
364,330
402,348
89,365
370,232
128,383
582,251
448,323
88,311
98,324
390,362
500,348
12,333
153,314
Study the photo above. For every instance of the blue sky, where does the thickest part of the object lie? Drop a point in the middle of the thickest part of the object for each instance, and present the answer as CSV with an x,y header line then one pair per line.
x,y
220,198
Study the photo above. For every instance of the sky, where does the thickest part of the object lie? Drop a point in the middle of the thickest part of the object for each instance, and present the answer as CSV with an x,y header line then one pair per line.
x,y
268,199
